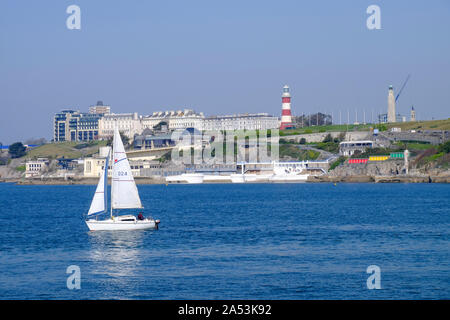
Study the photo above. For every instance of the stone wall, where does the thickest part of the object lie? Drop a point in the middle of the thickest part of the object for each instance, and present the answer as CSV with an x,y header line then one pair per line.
x,y
318,137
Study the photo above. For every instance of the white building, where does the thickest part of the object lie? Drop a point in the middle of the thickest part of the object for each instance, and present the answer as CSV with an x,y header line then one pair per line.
x,y
259,121
127,123
175,119
35,167
348,148
99,108
94,166
131,124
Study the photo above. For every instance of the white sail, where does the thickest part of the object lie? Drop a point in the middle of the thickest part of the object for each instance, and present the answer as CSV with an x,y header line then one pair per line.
x,y
124,193
98,204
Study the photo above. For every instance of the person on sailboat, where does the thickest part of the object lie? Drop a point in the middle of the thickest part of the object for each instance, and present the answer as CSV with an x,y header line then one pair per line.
x,y
140,216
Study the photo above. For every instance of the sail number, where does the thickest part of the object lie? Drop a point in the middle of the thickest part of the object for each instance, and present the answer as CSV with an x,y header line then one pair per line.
x,y
121,173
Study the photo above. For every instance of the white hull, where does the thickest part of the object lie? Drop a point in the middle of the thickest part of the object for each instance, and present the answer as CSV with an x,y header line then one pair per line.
x,y
289,178
239,178
216,178
116,225
249,177
187,178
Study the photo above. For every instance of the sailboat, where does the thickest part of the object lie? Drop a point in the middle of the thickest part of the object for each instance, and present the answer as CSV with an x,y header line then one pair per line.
x,y
124,195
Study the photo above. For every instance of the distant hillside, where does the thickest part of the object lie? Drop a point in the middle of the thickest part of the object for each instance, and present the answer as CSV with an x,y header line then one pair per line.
x,y
70,150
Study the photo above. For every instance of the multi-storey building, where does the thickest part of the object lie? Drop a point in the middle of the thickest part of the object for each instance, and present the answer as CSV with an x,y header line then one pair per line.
x,y
87,126
35,167
175,119
71,125
127,123
65,125
99,108
260,121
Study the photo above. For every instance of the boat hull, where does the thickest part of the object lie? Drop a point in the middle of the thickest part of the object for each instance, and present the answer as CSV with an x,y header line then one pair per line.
x,y
289,178
110,225
186,178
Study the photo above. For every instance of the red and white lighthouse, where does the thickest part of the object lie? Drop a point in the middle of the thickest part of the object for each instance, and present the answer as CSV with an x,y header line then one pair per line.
x,y
286,116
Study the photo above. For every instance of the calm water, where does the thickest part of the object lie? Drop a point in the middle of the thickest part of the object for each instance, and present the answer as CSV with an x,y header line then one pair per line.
x,y
266,241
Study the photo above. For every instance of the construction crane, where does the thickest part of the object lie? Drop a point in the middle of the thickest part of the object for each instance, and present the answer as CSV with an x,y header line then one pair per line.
x,y
404,84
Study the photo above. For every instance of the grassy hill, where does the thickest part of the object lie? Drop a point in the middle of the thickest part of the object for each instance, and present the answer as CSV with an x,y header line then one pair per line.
x,y
422,125
405,126
69,150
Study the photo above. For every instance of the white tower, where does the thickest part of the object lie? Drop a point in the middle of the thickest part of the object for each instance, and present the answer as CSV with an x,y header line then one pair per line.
x,y
413,114
391,117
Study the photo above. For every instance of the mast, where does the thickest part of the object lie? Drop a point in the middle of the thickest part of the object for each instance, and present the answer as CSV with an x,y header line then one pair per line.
x,y
112,170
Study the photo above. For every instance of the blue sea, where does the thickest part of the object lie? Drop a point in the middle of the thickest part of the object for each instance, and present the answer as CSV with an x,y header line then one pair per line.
x,y
231,241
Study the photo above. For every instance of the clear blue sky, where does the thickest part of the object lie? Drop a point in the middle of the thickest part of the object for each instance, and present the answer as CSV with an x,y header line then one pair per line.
x,y
219,57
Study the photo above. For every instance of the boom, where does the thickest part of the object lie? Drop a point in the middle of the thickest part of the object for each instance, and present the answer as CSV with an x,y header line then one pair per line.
x,y
404,84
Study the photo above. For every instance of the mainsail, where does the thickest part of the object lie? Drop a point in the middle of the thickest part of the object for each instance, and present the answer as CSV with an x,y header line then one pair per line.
x,y
124,193
99,202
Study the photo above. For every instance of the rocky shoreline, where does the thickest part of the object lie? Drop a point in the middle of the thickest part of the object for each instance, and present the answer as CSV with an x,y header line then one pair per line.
x,y
74,181
381,179
311,179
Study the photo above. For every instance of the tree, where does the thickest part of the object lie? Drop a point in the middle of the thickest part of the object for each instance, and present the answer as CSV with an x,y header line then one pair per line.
x,y
17,150
124,138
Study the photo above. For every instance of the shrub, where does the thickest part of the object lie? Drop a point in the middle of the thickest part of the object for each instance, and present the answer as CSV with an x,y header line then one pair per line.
x,y
445,147
292,151
82,146
328,138
328,146
337,163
